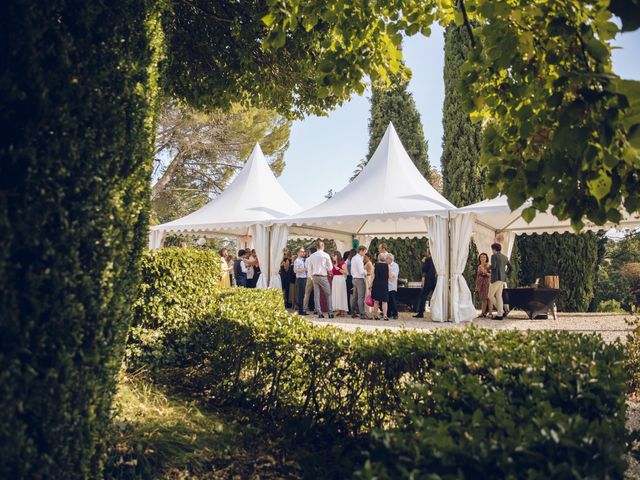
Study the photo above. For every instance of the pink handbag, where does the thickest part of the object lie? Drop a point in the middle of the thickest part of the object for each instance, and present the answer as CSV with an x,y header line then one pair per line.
x,y
369,301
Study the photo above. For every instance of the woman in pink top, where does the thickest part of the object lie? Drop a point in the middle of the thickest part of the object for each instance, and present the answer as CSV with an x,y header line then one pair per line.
x,y
339,284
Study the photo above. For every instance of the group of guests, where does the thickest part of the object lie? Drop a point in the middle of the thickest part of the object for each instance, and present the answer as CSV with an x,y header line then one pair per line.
x,y
242,271
491,278
360,284
354,282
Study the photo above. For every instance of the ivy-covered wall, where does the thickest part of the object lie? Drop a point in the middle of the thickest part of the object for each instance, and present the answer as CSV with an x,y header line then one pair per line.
x,y
78,86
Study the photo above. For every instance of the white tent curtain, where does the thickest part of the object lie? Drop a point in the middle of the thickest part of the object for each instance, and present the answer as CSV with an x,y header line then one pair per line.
x,y
462,308
156,239
437,233
260,236
279,237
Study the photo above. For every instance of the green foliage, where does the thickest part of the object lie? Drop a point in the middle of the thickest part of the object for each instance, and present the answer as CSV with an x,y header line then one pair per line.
x,y
178,285
506,389
407,252
79,86
548,406
561,127
571,256
632,350
610,281
216,58
463,175
612,306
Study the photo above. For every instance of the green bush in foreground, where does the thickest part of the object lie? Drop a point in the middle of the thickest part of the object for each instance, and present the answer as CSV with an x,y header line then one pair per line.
x,y
473,403
178,285
78,82
501,403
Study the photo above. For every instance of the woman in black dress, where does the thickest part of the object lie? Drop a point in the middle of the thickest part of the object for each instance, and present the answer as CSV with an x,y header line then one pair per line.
x,y
380,286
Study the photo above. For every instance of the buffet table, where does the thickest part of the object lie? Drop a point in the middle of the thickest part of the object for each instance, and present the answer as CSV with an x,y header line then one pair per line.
x,y
536,302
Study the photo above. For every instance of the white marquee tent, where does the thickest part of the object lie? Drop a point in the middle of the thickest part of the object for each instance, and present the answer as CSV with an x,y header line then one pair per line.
x,y
492,221
247,207
389,198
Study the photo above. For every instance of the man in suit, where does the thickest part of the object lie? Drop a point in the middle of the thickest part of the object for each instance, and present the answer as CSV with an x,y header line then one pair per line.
x,y
500,270
429,276
240,269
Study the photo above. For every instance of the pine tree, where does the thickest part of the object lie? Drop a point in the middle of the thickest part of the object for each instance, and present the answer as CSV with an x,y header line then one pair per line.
x,y
397,105
463,176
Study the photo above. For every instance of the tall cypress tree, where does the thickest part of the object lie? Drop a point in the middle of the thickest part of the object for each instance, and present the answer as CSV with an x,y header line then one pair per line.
x,y
397,105
463,176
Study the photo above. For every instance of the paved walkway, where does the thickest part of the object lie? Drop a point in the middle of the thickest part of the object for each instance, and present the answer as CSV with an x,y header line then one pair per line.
x,y
610,326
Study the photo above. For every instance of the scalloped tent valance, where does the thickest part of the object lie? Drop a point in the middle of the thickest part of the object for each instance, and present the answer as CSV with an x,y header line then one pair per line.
x,y
255,197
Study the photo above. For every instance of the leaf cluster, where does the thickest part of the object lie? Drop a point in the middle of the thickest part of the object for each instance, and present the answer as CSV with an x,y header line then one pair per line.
x,y
559,126
549,406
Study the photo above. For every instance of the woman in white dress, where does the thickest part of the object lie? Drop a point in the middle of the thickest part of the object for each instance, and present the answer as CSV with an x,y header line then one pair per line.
x,y
339,285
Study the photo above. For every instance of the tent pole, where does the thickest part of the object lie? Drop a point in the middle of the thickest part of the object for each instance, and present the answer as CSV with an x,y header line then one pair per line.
x,y
450,283
269,256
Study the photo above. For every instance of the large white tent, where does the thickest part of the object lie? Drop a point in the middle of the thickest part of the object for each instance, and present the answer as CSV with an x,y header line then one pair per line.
x,y
247,207
492,221
389,198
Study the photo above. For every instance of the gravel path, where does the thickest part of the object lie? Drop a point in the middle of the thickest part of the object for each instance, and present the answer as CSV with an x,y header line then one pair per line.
x,y
609,326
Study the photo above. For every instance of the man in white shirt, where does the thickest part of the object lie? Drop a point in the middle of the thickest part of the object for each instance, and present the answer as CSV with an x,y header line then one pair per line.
x,y
359,286
301,279
319,267
394,271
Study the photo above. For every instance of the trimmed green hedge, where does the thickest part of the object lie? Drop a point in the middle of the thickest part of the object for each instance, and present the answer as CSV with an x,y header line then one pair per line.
x,y
78,82
460,403
541,406
178,285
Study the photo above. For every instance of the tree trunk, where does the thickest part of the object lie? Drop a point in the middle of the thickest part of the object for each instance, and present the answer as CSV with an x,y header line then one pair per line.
x,y
162,182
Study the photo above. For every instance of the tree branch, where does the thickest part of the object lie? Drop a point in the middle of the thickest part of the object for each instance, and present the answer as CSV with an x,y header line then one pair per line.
x,y
466,22
159,186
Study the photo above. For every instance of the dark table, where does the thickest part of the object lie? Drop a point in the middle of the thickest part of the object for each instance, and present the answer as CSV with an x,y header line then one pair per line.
x,y
537,302
409,297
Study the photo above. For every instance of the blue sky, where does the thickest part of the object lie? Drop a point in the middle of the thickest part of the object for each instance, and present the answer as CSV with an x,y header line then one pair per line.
x,y
324,151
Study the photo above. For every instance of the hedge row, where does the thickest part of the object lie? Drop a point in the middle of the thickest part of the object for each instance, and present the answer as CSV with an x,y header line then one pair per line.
x,y
177,285
78,82
460,403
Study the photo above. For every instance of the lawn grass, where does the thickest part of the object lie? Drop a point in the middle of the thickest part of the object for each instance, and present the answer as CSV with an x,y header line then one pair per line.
x,y
156,435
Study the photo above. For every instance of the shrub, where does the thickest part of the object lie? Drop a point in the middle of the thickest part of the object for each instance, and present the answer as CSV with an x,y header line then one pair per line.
x,y
573,257
178,285
452,402
519,397
525,407
613,306
78,88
